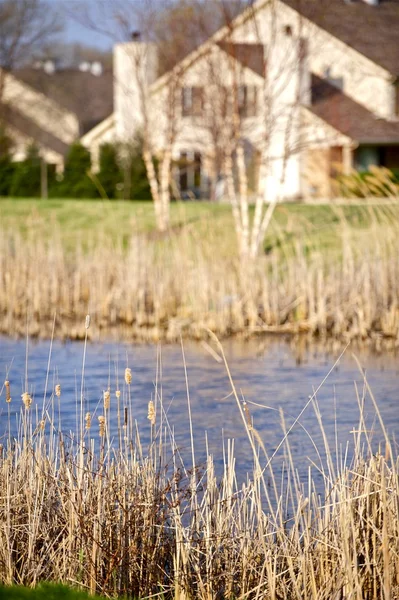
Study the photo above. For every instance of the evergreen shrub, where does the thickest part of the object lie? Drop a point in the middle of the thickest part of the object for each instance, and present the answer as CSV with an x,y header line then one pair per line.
x,y
7,167
75,182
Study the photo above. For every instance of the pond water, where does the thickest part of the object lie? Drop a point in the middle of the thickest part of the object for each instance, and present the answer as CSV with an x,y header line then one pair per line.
x,y
267,374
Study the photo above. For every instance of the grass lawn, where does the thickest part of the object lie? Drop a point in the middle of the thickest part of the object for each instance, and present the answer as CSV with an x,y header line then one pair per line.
x,y
318,226
44,591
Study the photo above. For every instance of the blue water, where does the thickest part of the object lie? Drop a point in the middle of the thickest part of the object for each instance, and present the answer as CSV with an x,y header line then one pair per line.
x,y
267,374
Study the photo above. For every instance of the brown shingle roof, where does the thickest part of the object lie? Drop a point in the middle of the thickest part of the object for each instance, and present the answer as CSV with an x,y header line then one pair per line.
x,y
249,55
88,96
349,117
371,30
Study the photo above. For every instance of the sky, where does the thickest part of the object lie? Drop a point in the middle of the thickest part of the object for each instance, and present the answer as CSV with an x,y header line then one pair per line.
x,y
75,31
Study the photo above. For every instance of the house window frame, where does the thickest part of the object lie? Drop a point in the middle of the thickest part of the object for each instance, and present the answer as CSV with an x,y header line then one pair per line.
x,y
192,101
247,101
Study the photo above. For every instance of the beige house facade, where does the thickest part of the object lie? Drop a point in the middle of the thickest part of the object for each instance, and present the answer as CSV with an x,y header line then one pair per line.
x,y
52,109
319,86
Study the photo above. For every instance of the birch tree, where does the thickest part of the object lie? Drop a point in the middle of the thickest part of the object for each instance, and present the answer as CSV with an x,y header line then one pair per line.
x,y
258,114
26,27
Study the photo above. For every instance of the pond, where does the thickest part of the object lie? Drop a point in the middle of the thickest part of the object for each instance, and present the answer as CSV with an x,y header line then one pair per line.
x,y
268,375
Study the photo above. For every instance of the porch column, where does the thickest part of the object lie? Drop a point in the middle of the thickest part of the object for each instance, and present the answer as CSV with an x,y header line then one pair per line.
x,y
347,159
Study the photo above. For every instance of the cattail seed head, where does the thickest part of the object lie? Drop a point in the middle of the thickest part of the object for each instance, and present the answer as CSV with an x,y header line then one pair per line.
x,y
42,424
118,394
107,399
87,322
151,412
128,376
8,394
88,420
58,390
101,421
247,415
27,400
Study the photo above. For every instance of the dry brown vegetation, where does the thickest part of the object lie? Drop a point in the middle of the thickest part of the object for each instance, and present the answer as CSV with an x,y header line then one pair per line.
x,y
101,512
190,281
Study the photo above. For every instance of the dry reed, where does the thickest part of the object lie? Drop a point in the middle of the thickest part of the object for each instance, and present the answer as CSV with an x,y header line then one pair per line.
x,y
181,287
135,523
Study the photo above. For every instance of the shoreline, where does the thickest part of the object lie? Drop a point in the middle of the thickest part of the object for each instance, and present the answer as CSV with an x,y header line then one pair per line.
x,y
295,335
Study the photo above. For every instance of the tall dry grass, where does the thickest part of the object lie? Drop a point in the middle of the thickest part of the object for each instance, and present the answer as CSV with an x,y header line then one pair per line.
x,y
183,285
97,510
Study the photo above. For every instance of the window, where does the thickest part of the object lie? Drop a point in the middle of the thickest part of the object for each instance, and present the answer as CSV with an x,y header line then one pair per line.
x,y
183,179
247,97
288,30
192,101
190,165
366,156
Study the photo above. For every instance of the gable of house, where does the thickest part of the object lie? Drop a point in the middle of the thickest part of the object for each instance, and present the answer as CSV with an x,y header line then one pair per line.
x,y
371,30
88,96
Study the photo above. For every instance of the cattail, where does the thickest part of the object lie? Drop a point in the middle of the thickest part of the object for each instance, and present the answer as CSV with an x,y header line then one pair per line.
x,y
8,395
42,424
101,421
125,417
151,412
88,420
58,390
27,400
107,399
118,394
247,415
128,376
87,322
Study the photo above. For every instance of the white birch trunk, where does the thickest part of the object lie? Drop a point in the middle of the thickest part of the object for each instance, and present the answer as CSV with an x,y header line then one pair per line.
x,y
165,189
152,179
231,193
243,192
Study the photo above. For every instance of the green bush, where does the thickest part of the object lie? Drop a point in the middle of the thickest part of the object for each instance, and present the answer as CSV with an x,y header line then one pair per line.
x,y
139,184
75,182
377,181
135,182
26,178
110,174
44,591
7,167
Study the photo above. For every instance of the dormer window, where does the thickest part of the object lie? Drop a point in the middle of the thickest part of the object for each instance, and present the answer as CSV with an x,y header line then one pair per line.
x,y
192,101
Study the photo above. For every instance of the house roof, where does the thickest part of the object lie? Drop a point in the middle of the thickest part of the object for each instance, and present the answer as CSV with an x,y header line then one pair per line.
x,y
371,30
26,126
88,96
250,56
350,118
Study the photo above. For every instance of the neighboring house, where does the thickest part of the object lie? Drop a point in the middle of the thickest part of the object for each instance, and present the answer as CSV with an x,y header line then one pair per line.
x,y
332,69
53,108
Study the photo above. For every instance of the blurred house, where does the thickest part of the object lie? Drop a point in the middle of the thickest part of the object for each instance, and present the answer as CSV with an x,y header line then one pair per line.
x,y
52,106
330,68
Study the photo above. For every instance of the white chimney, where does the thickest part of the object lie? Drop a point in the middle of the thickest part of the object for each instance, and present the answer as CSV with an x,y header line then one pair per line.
x,y
372,2
135,69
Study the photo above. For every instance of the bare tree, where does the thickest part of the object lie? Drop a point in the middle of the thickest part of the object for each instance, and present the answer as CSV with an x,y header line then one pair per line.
x,y
257,82
26,26
260,113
